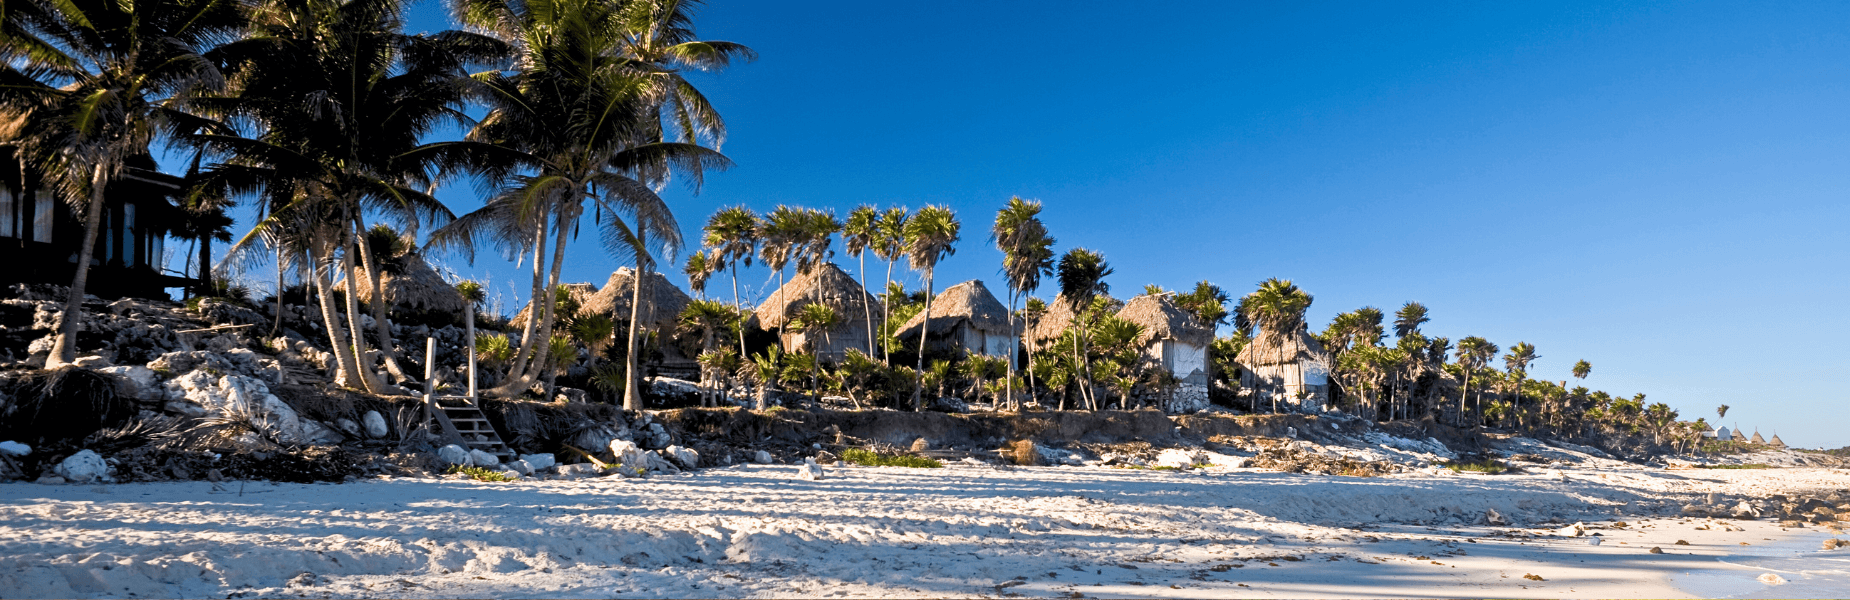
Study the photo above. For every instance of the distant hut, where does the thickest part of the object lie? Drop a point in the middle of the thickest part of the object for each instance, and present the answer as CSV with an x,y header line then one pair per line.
x,y
1178,342
1776,442
830,286
1046,330
964,318
1724,434
1708,431
1738,436
580,292
660,312
1290,368
410,285
1757,439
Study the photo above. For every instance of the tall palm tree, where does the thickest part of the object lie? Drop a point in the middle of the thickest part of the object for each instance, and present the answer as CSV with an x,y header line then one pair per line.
x,y
1582,369
698,269
588,114
1409,318
1277,308
931,235
732,234
1027,255
1721,412
890,246
781,238
859,234
96,83
1473,353
1082,275
1517,362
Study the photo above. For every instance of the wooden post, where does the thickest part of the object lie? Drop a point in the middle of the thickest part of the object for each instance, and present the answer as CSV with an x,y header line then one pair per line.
x,y
430,355
469,330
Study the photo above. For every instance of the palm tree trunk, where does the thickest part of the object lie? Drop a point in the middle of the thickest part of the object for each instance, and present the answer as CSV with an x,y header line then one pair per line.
x,y
64,349
1461,398
543,304
1008,384
924,332
519,367
867,308
632,399
886,312
388,348
276,325
346,372
739,305
368,377
206,288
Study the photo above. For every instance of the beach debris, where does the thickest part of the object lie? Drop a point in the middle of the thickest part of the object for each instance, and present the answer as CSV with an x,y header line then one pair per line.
x,y
375,424
920,445
11,448
1493,517
1575,530
686,458
83,467
1533,577
1593,541
761,457
1771,579
1657,550
1682,542
809,470
1834,543
453,456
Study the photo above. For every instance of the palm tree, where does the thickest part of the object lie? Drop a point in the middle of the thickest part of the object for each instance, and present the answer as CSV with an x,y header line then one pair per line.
x,y
1031,314
813,321
1517,362
1582,369
733,234
588,115
859,234
1027,254
698,269
95,83
819,228
781,237
1409,318
1277,308
596,333
1721,412
1082,277
890,246
1473,353
931,235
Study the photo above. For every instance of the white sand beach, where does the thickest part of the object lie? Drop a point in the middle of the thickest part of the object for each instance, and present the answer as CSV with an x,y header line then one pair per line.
x,y
965,530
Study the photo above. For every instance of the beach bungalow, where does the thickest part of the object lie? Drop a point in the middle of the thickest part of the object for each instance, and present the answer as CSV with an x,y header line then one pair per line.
x,y
1776,442
1757,439
40,236
660,312
580,292
1724,434
1178,342
964,318
829,285
1289,369
1045,330
411,286
1738,436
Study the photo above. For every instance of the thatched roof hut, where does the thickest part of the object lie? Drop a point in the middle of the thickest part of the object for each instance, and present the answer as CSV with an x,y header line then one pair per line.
x,y
660,312
1163,320
1757,439
828,285
1291,367
968,302
1776,442
1047,329
581,293
412,286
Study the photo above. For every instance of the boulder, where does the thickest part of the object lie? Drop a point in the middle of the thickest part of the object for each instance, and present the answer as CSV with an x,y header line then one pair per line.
x,y
315,432
1491,516
539,462
1180,459
947,405
659,464
761,457
483,459
521,467
375,424
10,448
83,467
49,480
566,394
683,457
631,460
347,426
579,470
453,455
809,470
1744,510
655,437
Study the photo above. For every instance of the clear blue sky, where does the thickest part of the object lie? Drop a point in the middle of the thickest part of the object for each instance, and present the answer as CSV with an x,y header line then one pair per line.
x,y
1653,187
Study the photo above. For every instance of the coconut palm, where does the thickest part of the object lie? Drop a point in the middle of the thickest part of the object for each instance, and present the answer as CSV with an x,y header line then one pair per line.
x,y
1473,353
858,235
1277,309
890,245
596,333
96,83
1031,314
732,236
698,269
1027,255
931,235
1721,412
1517,362
1082,275
813,322
781,238
1582,369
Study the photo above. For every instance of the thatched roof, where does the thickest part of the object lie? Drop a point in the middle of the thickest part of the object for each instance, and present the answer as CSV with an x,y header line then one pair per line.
x,y
970,302
1757,439
664,299
1738,436
1163,320
1053,324
580,292
1776,442
415,287
1282,349
827,283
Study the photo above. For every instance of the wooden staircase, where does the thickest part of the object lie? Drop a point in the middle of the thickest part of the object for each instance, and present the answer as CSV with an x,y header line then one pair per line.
x,y
462,420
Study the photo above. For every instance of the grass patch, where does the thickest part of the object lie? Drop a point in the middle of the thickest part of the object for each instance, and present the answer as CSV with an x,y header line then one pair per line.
x,y
1147,468
480,473
1745,466
868,458
1486,466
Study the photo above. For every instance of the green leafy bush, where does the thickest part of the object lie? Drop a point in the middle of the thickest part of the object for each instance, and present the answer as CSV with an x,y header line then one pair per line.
x,y
1488,466
480,473
868,458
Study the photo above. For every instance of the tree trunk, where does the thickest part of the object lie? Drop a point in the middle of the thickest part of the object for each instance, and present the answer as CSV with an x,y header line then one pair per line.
x,y
206,289
886,312
368,377
519,367
1008,384
347,372
388,348
64,349
867,308
632,399
918,404
544,305
276,326
738,305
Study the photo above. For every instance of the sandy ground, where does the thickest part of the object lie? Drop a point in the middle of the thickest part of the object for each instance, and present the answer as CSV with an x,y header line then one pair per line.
x,y
756,531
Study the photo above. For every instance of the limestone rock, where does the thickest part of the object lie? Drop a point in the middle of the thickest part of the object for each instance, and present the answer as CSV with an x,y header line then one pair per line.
x,y
49,480
809,470
91,362
660,465
685,458
579,470
521,467
347,426
761,457
1771,579
83,467
375,424
453,455
483,459
10,448
1575,530
315,432
1493,517
539,462
631,460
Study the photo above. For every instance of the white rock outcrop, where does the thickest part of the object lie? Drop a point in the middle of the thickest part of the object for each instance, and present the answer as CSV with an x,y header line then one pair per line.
x,y
136,381
484,459
202,392
539,462
631,459
761,457
686,458
453,455
809,470
375,424
83,467
11,448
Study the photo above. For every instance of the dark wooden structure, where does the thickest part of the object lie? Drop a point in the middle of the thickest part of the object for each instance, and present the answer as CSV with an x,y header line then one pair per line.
x,y
39,234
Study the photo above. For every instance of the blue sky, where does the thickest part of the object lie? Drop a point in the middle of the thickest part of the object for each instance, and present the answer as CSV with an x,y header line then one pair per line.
x,y
1653,187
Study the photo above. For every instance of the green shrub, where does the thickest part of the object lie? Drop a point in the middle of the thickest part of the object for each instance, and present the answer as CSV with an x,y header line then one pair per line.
x,y
479,473
868,458
1488,466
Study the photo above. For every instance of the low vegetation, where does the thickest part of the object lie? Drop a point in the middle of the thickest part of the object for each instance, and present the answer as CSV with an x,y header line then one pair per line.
x,y
869,458
1743,466
1486,466
480,473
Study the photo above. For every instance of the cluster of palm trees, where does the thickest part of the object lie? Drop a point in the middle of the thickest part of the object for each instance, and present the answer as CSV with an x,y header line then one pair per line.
x,y
321,112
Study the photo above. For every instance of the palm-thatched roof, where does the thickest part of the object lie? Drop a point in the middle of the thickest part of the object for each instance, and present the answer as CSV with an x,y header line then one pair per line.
x,y
1757,439
413,286
1776,442
665,300
1163,320
826,284
967,302
1050,326
581,293
1272,348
